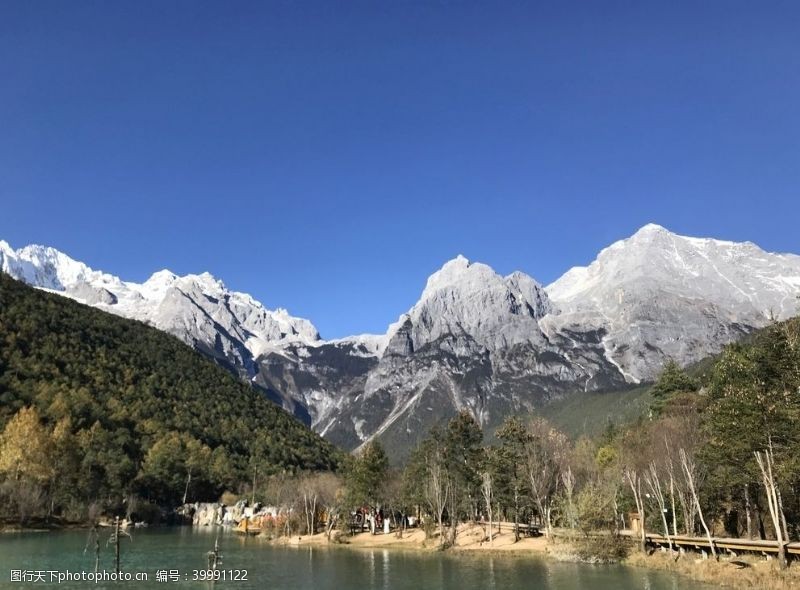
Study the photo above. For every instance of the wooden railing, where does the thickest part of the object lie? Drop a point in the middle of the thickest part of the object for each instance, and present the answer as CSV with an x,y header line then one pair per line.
x,y
728,544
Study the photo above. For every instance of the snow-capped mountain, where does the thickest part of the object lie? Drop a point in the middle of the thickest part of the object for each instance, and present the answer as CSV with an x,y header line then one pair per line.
x,y
659,295
493,344
232,327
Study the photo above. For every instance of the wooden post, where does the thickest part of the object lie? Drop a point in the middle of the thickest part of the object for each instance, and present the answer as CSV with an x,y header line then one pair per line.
x,y
214,558
116,542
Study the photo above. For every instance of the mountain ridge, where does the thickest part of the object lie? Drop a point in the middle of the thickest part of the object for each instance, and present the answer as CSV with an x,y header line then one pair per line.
x,y
475,339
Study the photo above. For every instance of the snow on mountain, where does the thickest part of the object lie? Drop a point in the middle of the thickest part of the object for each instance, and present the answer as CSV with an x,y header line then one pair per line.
x,y
230,326
48,268
368,345
659,295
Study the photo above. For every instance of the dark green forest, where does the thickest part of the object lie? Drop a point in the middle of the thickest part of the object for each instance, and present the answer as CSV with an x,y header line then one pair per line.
x,y
97,410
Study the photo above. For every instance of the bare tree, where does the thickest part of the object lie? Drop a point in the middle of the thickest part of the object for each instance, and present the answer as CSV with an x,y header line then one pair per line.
x,y
766,463
690,476
309,491
568,479
281,492
438,488
670,467
29,498
543,455
635,483
394,503
654,484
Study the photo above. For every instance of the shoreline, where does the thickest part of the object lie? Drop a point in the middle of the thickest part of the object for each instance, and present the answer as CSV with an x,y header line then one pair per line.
x,y
16,530
724,574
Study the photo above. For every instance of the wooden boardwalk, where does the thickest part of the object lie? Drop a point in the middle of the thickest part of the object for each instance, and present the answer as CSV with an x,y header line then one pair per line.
x,y
734,546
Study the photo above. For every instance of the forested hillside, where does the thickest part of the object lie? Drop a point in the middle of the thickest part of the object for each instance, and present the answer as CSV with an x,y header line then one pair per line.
x,y
95,408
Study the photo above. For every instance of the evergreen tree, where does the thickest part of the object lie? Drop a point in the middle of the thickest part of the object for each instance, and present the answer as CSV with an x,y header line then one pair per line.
x,y
366,476
673,380
514,488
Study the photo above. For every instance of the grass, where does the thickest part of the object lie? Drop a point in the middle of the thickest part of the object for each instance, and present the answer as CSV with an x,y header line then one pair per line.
x,y
588,413
760,574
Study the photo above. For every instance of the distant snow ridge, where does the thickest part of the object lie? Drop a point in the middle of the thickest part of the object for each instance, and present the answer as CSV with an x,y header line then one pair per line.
x,y
658,295
228,325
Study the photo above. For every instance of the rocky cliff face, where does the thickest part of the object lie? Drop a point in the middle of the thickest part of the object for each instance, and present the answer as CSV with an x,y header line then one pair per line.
x,y
475,339
472,341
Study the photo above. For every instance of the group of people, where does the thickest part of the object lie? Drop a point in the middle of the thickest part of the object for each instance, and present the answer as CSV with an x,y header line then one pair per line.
x,y
374,518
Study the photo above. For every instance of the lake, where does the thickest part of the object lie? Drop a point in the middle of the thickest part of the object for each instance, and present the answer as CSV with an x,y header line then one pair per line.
x,y
177,552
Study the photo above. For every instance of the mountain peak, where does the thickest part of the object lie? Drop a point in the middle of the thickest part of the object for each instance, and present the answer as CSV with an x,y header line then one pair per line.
x,y
455,265
460,260
162,276
650,233
207,280
459,274
6,249
158,283
469,299
650,228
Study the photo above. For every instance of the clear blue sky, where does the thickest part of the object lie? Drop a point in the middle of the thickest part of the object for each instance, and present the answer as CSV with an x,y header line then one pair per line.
x,y
327,157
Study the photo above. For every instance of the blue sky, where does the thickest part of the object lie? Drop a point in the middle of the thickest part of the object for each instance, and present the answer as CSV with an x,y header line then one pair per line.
x,y
327,157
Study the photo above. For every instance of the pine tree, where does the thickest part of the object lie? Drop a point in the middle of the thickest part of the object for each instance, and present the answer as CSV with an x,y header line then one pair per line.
x,y
673,380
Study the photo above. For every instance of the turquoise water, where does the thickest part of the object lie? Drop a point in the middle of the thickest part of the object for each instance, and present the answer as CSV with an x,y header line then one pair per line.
x,y
183,550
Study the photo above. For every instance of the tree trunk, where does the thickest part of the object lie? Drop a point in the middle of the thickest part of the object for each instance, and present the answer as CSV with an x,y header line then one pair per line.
x,y
548,524
765,462
782,512
636,487
186,489
747,511
689,473
332,518
672,504
654,483
487,488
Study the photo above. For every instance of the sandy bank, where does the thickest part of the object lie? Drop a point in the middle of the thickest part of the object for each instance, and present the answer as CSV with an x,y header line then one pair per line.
x,y
470,538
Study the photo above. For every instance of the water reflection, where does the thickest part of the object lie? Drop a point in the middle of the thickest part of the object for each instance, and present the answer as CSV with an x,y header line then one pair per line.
x,y
319,568
491,573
